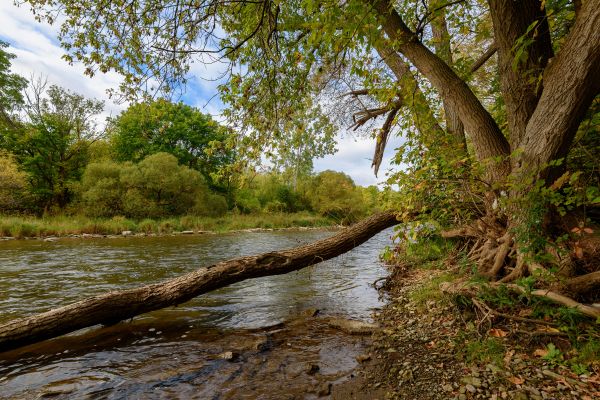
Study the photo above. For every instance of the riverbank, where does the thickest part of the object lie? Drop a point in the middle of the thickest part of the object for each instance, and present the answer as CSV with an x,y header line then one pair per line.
x,y
433,346
64,226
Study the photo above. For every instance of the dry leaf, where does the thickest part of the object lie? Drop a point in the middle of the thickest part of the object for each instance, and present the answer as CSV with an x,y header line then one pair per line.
x,y
578,252
498,332
507,356
526,312
516,380
588,230
540,352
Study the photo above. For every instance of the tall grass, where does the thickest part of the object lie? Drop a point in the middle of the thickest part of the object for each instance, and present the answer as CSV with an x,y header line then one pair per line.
x,y
63,225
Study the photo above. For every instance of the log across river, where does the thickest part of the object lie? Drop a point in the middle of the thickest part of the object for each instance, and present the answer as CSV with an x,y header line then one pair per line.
x,y
115,306
341,287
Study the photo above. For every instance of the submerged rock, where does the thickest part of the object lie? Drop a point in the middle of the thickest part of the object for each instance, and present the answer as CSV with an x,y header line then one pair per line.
x,y
229,356
353,327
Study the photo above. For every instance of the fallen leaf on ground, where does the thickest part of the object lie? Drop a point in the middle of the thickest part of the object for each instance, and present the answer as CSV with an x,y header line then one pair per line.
x,y
516,380
526,312
540,352
498,332
507,356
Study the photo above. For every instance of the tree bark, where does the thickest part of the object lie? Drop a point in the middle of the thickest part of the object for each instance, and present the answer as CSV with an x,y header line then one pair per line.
x,y
571,81
112,307
443,48
424,117
488,141
520,88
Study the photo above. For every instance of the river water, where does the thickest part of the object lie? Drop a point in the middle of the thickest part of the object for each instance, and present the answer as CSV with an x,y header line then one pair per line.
x,y
181,352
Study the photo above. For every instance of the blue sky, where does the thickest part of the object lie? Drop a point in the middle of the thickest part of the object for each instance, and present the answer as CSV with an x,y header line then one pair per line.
x,y
39,54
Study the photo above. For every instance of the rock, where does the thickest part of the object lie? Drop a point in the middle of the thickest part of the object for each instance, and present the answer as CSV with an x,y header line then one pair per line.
x,y
363,357
353,327
520,395
187,232
448,387
471,380
262,344
229,356
126,233
325,390
471,388
310,312
50,239
493,368
311,369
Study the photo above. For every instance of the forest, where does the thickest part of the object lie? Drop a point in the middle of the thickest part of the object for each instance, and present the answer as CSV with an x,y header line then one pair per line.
x,y
156,160
494,188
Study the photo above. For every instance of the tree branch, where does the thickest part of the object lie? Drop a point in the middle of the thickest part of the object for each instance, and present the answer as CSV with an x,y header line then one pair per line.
x,y
488,140
484,57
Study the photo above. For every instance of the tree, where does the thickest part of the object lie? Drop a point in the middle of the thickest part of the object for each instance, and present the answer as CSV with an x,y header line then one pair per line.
x,y
11,86
162,126
155,187
394,60
51,143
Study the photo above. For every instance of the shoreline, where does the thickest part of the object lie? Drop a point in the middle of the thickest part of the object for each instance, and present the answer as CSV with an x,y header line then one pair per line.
x,y
77,227
54,238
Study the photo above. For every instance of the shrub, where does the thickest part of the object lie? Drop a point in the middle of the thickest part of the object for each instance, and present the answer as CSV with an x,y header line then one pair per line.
x,y
336,196
13,184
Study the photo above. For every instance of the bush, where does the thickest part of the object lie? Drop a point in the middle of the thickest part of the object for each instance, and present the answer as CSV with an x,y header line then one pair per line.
x,y
336,196
154,188
13,185
210,205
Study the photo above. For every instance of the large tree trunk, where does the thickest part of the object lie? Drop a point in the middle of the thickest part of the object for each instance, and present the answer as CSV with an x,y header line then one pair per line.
x,y
488,141
443,48
116,306
571,81
520,88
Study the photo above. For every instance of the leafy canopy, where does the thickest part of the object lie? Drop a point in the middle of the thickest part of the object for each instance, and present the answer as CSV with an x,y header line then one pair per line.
x,y
194,138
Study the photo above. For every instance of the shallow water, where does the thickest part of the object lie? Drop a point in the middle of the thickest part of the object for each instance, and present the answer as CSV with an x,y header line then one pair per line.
x,y
174,352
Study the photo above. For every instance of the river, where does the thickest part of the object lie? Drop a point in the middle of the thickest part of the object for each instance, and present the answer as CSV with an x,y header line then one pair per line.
x,y
241,341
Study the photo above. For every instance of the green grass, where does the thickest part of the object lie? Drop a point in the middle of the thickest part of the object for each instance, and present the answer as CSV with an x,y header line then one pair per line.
x,y
430,290
63,225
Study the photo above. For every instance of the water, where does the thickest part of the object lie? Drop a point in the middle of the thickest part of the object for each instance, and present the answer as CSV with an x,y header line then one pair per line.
x,y
174,352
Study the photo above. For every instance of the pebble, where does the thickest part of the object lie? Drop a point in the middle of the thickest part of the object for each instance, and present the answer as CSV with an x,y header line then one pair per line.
x,y
471,388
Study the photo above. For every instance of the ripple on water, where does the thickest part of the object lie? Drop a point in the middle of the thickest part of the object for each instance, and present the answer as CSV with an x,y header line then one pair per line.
x,y
128,360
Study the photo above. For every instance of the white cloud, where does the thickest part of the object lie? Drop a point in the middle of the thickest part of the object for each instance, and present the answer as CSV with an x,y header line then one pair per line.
x,y
39,54
354,157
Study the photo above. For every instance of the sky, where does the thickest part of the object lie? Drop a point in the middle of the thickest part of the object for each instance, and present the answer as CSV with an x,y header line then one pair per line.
x,y
39,55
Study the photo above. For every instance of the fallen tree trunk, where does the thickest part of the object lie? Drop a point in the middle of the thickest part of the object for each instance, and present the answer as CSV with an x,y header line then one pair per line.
x,y
112,307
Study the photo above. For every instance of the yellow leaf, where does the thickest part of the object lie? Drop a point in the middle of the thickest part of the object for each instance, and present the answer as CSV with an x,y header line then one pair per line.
x,y
560,181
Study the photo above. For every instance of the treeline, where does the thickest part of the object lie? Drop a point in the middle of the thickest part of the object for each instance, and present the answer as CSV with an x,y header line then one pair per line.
x,y
157,159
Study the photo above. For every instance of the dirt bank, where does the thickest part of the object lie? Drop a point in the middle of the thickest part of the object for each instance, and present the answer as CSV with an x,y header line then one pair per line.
x,y
431,348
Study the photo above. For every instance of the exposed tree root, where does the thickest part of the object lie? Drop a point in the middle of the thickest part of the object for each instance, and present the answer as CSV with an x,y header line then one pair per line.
x,y
584,283
498,258
472,290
